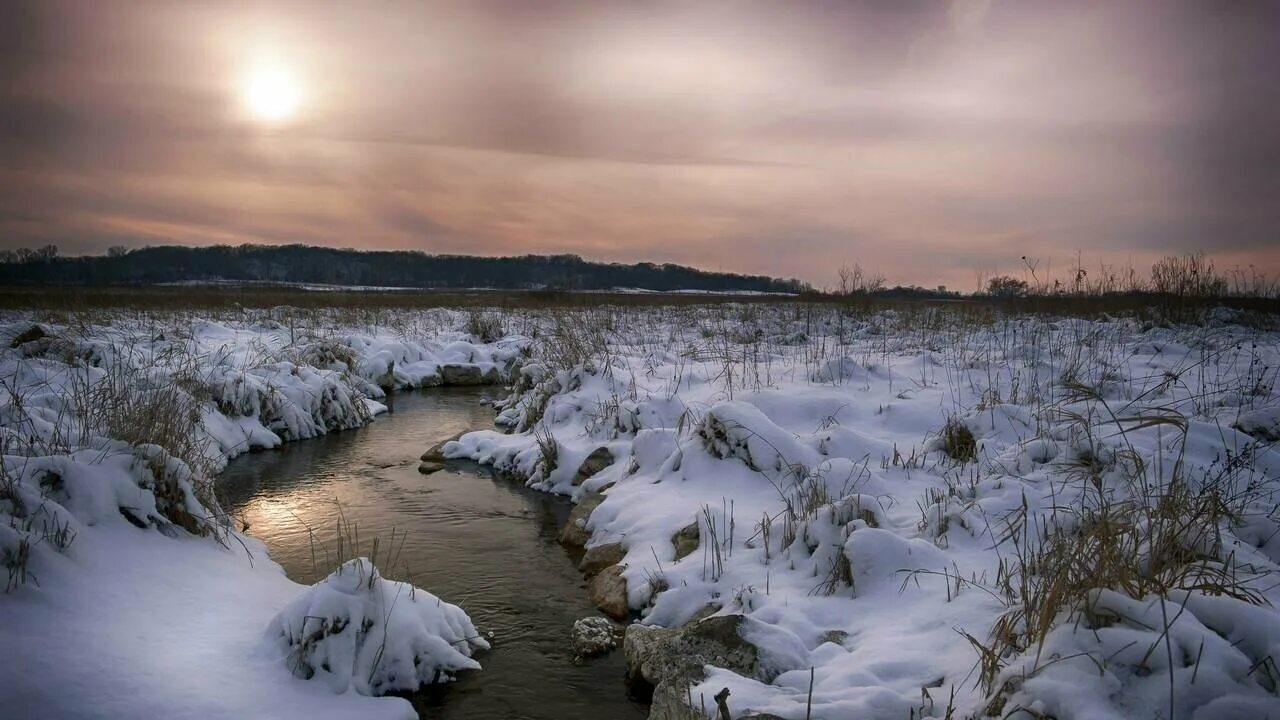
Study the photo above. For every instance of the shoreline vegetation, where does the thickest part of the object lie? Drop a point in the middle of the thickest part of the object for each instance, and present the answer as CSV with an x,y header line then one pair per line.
x,y
322,269
1176,287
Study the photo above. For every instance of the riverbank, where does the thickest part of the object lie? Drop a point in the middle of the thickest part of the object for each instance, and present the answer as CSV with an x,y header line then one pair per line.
x,y
478,540
920,515
130,592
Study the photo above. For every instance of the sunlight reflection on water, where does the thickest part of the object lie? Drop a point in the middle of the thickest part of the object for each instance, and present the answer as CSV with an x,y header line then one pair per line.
x,y
473,539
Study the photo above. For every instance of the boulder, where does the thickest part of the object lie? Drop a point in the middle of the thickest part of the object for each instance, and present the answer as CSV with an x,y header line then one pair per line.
x,y
670,660
670,703
435,453
31,334
1262,424
600,557
835,637
686,539
468,375
575,532
594,636
426,467
598,460
387,380
35,341
705,611
608,591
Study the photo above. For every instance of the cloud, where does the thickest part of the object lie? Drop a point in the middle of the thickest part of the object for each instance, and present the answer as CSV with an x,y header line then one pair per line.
x,y
922,138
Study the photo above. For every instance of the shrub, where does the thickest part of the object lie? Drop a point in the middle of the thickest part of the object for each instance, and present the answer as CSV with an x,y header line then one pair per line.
x,y
486,326
1004,286
1191,275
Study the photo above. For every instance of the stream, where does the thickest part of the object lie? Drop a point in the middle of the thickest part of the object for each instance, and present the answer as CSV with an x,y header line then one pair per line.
x,y
474,539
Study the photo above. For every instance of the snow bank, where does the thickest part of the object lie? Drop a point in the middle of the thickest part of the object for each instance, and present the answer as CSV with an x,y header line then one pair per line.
x,y
128,592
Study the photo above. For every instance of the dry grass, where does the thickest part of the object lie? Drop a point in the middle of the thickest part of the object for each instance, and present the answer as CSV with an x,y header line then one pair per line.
x,y
548,451
29,524
137,406
485,326
958,441
1138,537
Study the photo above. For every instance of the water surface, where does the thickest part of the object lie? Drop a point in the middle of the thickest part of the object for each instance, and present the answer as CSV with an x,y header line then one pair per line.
x,y
476,540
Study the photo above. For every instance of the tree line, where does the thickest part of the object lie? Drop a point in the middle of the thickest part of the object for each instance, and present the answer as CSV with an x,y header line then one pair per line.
x,y
331,266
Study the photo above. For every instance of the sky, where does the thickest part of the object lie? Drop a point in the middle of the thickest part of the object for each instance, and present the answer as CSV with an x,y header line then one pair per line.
x,y
930,141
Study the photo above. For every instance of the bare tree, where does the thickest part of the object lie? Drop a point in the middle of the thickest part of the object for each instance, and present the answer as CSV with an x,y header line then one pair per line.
x,y
854,280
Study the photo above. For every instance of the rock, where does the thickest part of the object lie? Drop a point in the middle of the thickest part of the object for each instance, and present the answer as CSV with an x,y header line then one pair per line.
x,y
670,660
35,341
31,334
468,375
575,532
601,557
670,702
705,611
387,380
426,467
608,591
598,460
594,636
686,539
1263,424
460,374
435,453
836,637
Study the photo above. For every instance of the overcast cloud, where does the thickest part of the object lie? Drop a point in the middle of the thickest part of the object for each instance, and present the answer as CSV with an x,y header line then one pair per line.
x,y
924,139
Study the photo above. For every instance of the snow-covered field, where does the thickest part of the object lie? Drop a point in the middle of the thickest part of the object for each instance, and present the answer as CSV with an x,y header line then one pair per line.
x,y
915,514
926,515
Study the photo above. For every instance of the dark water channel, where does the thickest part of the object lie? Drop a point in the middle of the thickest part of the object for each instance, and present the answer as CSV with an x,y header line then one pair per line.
x,y
473,539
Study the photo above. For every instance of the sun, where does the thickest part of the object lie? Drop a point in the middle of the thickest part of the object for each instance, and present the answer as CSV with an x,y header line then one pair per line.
x,y
271,94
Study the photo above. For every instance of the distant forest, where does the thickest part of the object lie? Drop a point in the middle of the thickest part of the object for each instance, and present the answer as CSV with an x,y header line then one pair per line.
x,y
309,264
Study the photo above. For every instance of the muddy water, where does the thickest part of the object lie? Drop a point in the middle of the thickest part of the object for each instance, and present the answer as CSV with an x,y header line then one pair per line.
x,y
479,541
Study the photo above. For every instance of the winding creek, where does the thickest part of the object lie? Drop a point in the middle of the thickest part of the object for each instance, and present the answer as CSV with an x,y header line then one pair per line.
x,y
476,540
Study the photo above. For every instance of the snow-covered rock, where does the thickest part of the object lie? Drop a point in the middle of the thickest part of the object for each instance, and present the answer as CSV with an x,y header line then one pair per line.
x,y
356,630
592,636
669,661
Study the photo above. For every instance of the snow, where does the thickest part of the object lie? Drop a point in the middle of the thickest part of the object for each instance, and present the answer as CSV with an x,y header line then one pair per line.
x,y
807,444
134,625
129,593
810,452
256,381
357,630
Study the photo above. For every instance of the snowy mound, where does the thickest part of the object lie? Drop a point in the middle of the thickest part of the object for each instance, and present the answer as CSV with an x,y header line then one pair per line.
x,y
356,629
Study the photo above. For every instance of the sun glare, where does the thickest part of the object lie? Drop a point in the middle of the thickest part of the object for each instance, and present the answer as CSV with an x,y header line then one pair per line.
x,y
271,94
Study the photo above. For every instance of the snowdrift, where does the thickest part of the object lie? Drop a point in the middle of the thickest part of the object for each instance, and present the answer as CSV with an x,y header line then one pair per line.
x,y
356,630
